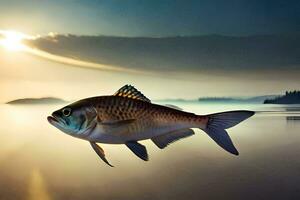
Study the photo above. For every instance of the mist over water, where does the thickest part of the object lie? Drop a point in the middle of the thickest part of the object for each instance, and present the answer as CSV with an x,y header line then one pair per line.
x,y
39,162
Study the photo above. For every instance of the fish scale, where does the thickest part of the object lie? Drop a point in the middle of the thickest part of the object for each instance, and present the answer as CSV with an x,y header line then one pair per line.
x,y
148,116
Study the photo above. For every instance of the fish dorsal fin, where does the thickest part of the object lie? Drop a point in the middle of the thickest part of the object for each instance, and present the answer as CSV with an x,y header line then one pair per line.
x,y
131,92
164,140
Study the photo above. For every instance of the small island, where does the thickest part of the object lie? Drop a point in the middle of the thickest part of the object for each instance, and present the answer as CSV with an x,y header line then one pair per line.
x,y
290,97
34,101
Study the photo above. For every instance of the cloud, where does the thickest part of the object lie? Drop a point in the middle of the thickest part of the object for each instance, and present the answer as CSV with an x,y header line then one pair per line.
x,y
80,63
212,52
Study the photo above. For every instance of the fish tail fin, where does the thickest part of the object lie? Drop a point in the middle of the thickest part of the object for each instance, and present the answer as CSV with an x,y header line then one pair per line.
x,y
218,122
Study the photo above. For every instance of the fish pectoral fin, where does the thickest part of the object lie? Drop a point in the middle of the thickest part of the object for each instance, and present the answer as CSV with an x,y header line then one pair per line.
x,y
138,149
100,152
117,123
164,140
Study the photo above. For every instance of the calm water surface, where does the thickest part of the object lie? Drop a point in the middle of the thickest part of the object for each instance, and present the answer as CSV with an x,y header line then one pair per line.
x,y
39,162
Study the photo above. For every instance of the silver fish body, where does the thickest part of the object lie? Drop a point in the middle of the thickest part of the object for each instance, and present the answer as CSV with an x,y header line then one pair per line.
x,y
120,119
128,117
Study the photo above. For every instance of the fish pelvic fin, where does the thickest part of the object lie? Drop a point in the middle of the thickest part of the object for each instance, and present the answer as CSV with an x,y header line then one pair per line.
x,y
138,149
218,122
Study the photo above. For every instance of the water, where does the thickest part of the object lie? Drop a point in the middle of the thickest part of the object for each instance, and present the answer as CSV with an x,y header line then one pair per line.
x,y
39,162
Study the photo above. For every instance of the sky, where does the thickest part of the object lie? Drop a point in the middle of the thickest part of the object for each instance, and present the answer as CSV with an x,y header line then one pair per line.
x,y
151,18
71,71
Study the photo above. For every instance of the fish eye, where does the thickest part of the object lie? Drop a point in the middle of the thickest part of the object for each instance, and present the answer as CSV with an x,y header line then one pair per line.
x,y
67,112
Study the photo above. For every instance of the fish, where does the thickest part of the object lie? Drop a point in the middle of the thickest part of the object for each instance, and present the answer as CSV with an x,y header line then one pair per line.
x,y
128,117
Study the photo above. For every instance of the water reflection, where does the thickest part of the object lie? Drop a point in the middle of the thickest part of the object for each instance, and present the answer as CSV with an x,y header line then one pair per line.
x,y
39,162
293,118
293,109
37,189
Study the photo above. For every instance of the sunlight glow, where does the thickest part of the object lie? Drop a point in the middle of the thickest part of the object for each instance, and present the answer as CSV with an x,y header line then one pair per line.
x,y
12,40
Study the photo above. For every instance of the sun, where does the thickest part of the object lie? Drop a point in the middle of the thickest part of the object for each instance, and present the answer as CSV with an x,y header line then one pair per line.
x,y
12,40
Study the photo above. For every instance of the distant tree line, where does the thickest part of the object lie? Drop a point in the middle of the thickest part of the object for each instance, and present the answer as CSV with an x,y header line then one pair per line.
x,y
216,99
290,97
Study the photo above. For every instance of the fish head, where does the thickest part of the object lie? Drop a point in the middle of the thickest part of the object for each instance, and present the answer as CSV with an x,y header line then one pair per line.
x,y
75,119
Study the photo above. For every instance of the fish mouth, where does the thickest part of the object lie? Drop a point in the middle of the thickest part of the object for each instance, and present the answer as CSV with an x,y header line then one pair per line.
x,y
54,120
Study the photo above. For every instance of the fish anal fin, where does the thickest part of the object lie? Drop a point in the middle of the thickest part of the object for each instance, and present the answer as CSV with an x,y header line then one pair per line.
x,y
138,149
164,140
131,92
100,152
